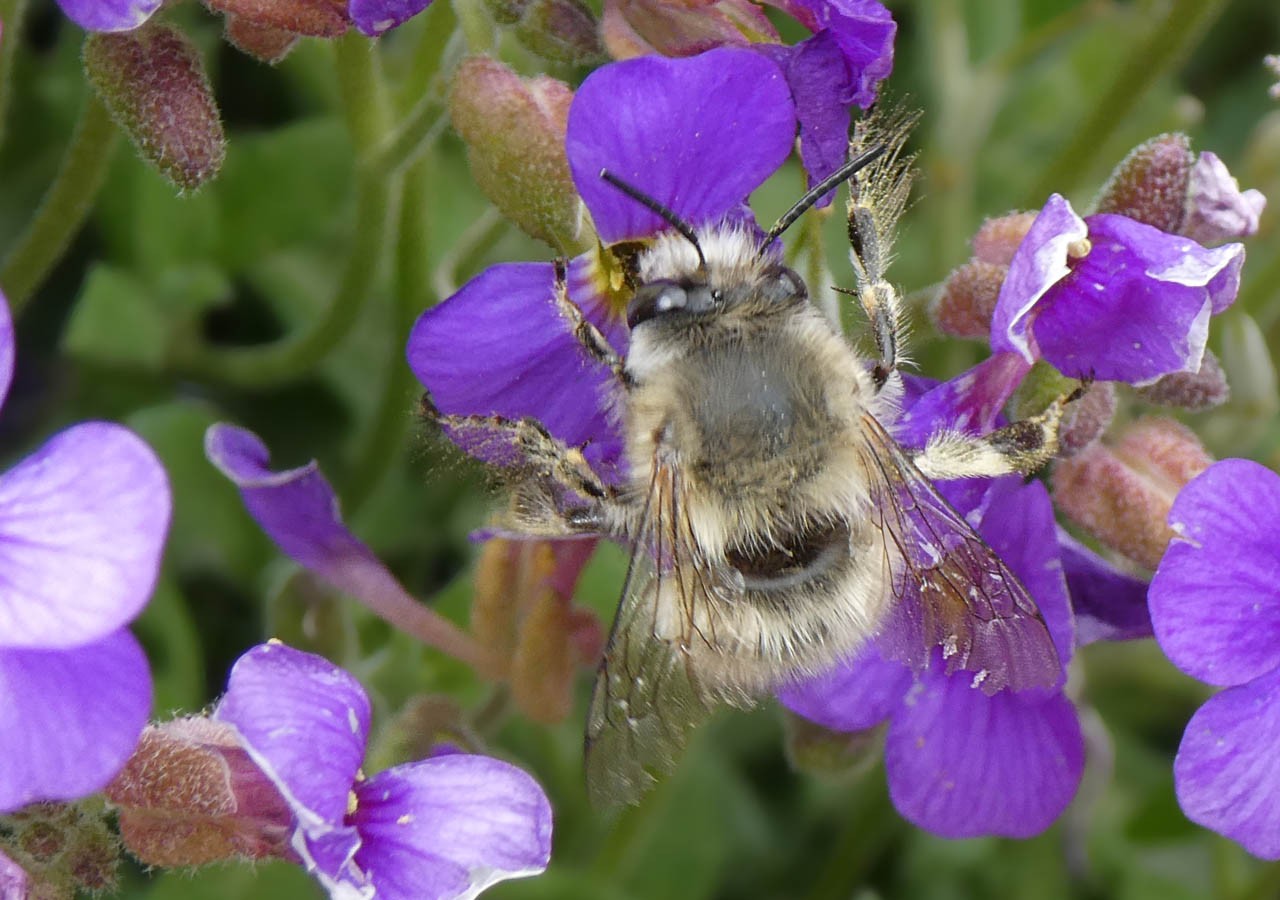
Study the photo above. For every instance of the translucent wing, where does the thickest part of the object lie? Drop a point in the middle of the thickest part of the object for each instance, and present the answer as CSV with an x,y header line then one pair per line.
x,y
951,590
648,694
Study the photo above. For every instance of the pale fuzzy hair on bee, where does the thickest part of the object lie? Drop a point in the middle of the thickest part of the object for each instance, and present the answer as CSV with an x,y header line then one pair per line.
x,y
731,250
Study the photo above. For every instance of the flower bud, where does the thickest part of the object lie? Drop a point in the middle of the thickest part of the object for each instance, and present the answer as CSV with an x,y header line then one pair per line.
x,y
967,300
1122,494
816,750
191,795
263,42
544,663
514,129
675,28
1150,184
309,18
1204,389
998,239
154,85
561,31
1086,419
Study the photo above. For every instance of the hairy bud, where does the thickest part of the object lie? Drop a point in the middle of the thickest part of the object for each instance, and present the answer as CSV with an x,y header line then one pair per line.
x,y
1121,494
309,18
263,42
1204,389
1150,184
562,31
967,300
998,239
514,129
191,795
153,83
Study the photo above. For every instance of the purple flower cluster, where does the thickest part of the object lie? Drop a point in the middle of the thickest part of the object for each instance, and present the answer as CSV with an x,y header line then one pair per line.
x,y
1215,605
437,829
82,528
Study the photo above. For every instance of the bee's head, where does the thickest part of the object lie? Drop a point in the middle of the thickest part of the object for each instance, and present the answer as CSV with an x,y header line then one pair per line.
x,y
720,273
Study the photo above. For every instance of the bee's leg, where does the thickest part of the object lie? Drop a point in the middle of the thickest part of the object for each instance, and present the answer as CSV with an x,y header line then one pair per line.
x,y
546,453
1022,447
584,331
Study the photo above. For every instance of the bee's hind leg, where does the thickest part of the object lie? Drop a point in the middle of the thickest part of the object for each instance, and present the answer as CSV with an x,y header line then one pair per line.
x,y
1021,447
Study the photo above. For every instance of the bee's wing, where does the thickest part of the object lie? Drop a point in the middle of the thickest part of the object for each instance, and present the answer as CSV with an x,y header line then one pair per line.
x,y
951,590
648,696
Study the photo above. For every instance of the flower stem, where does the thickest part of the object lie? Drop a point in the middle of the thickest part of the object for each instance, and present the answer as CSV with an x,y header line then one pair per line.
x,y
64,207
12,14
367,113
1182,25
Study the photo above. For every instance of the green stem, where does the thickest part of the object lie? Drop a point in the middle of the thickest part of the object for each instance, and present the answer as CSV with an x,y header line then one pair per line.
x,y
1164,47
64,208
12,15
412,293
476,26
367,112
415,135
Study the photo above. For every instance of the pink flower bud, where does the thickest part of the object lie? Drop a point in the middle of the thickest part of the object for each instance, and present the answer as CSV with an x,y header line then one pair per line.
x,y
998,239
514,129
153,83
310,18
191,795
1191,390
262,42
968,299
1150,184
1122,494
562,31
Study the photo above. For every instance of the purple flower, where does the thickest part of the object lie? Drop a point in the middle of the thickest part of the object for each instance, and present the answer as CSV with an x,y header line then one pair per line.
x,y
444,827
1215,605
1217,210
298,510
1110,298
376,17
841,65
82,528
697,134
961,763
109,15
13,881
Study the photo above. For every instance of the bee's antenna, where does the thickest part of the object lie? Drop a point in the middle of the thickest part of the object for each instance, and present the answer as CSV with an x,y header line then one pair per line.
x,y
654,206
834,180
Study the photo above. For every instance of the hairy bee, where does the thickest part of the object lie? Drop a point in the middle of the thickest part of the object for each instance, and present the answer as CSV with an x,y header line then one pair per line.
x,y
775,524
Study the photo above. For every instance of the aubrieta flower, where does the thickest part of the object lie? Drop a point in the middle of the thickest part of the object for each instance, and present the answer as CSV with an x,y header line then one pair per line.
x,y
109,15
82,528
321,18
698,134
961,762
840,66
440,828
1215,605
1110,298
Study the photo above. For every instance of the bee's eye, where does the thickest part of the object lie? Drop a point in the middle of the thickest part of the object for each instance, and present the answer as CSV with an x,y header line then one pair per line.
x,y
783,284
654,299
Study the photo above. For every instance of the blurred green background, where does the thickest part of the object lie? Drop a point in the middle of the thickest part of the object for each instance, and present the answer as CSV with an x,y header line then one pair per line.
x,y
280,296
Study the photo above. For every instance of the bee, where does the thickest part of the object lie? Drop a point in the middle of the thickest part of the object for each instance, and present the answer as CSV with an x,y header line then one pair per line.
x,y
775,525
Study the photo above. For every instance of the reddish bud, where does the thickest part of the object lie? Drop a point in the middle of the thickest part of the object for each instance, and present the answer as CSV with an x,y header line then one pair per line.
x,y
1122,494
673,28
191,795
1150,184
967,301
998,239
153,83
514,129
1204,389
1086,419
263,42
311,18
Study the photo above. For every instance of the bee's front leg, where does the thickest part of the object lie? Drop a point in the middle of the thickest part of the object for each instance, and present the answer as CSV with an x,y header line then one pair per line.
x,y
584,331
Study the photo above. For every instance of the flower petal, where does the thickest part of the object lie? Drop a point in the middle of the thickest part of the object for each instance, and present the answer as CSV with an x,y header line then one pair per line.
x,y
69,718
1215,598
6,348
962,764
298,510
305,722
1227,771
375,17
450,826
697,135
500,347
13,881
1217,210
1039,263
864,30
82,528
1138,305
109,15
854,696
971,402
1109,605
